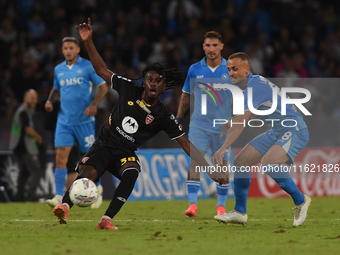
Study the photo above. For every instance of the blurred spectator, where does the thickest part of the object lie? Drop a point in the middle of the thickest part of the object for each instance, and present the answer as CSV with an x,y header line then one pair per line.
x,y
188,6
36,25
24,142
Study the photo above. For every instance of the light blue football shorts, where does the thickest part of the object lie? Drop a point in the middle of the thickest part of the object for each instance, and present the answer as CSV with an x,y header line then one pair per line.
x,y
66,135
209,142
290,140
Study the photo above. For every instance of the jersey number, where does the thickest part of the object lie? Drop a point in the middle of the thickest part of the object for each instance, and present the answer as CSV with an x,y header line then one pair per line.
x,y
286,136
124,160
89,140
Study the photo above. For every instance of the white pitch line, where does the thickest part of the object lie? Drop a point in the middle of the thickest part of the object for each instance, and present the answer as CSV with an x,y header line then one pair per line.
x,y
156,220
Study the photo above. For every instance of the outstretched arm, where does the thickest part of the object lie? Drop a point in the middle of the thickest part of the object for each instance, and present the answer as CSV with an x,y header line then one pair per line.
x,y
194,153
85,31
234,132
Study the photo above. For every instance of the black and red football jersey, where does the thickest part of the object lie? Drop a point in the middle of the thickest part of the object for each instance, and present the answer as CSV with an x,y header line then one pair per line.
x,y
131,123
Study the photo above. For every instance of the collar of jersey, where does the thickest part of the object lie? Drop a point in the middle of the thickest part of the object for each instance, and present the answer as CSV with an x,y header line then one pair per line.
x,y
250,77
79,59
148,105
204,62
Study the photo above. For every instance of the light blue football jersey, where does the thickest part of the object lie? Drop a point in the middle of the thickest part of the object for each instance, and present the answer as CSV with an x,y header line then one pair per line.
x,y
76,90
208,85
262,95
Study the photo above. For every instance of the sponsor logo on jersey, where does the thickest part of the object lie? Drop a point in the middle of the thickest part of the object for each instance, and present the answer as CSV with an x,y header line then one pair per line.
x,y
130,103
71,81
200,76
84,159
149,119
125,135
130,125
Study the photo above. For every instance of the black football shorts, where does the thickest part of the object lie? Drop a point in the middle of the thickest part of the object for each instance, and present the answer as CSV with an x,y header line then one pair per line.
x,y
107,159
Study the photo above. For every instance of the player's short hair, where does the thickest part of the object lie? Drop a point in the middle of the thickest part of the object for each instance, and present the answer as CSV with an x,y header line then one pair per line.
x,y
173,76
70,39
243,56
213,34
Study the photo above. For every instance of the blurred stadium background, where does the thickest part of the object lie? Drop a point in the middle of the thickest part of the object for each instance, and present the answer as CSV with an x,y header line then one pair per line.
x,y
294,40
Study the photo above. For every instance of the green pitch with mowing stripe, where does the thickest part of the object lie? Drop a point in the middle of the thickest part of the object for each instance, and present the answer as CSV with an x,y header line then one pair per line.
x,y
160,227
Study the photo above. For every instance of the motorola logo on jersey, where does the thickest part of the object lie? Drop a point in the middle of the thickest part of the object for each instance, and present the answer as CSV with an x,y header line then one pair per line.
x,y
130,125
71,81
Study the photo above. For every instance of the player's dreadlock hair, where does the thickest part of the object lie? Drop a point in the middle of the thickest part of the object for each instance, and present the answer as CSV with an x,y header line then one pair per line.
x,y
173,76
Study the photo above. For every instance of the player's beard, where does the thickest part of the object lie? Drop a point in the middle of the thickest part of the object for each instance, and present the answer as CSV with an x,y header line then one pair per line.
x,y
72,60
213,56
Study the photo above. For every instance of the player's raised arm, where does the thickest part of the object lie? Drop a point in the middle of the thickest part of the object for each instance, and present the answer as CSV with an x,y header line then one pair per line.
x,y
85,32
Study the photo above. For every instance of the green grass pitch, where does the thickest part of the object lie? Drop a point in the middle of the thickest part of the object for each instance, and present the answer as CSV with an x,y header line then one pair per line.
x,y
160,227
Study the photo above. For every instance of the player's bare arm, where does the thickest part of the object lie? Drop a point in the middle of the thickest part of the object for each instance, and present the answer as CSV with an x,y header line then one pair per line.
x,y
54,96
91,110
85,32
234,132
183,105
194,153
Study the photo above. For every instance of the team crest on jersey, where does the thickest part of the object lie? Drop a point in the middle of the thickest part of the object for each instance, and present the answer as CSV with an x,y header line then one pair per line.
x,y
225,76
130,125
84,159
149,119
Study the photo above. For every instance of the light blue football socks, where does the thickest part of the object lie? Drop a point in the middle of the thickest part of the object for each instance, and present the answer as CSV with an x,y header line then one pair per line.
x,y
193,188
281,176
222,194
241,186
60,180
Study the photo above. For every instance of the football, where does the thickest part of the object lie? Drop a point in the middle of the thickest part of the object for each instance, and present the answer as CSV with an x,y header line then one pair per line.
x,y
83,192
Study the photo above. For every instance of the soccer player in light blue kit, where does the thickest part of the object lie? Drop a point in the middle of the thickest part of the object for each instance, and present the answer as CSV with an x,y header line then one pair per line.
x,y
279,145
74,79
202,77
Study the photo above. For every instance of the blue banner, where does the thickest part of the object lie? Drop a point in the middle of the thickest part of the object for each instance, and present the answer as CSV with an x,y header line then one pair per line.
x,y
163,176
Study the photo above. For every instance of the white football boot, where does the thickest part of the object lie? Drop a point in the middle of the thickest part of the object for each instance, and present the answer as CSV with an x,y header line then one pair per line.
x,y
300,214
99,200
232,217
56,200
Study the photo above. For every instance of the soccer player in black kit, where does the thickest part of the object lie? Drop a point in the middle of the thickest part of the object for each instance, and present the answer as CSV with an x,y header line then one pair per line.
x,y
137,117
